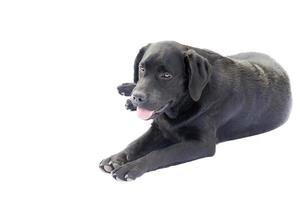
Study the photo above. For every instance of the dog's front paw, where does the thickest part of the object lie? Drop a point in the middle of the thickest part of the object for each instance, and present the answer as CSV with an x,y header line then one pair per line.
x,y
126,88
113,162
129,105
129,171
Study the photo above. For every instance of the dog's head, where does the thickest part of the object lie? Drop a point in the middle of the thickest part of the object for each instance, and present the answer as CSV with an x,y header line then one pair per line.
x,y
165,72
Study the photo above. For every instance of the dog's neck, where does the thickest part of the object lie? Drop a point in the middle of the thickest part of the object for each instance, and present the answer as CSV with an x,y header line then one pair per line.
x,y
183,111
180,107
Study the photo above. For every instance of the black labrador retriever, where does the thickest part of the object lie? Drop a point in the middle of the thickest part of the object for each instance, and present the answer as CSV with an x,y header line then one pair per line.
x,y
197,98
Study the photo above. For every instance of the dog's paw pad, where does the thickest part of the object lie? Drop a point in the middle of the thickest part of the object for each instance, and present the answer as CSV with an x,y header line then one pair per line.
x,y
107,168
115,165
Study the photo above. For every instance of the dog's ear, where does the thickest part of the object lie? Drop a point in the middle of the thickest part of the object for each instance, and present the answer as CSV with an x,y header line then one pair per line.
x,y
199,72
137,62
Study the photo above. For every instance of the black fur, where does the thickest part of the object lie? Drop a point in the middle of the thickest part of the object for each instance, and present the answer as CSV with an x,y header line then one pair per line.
x,y
210,99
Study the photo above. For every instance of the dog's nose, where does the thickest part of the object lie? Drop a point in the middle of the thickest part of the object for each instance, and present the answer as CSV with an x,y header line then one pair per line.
x,y
138,98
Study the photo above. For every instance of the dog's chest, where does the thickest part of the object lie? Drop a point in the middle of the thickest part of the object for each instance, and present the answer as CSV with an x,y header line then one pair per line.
x,y
179,132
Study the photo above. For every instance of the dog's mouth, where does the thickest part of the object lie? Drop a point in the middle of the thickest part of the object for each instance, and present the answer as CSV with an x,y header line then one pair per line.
x,y
150,114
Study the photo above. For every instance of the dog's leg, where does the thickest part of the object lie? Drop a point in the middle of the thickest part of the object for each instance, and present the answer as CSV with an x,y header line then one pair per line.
x,y
125,89
129,105
151,140
171,155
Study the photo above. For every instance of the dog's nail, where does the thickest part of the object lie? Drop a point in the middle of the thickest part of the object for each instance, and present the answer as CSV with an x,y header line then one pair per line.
x,y
114,176
127,178
107,168
118,179
123,93
110,162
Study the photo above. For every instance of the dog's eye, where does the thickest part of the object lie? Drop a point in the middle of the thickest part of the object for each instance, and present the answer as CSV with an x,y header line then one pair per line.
x,y
141,68
166,76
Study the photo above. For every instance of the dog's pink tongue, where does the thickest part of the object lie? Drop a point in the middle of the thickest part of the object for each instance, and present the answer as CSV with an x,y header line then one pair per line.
x,y
143,113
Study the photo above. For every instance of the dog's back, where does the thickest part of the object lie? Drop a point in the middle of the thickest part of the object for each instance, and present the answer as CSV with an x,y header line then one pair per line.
x,y
266,97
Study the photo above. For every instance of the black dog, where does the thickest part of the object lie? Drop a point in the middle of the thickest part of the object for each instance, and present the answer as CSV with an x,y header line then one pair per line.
x,y
197,98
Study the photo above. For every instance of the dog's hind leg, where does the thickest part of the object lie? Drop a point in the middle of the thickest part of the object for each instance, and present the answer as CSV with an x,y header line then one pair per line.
x,y
125,89
129,105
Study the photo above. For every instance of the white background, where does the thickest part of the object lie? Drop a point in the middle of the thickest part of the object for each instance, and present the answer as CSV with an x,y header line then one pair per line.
x,y
60,114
